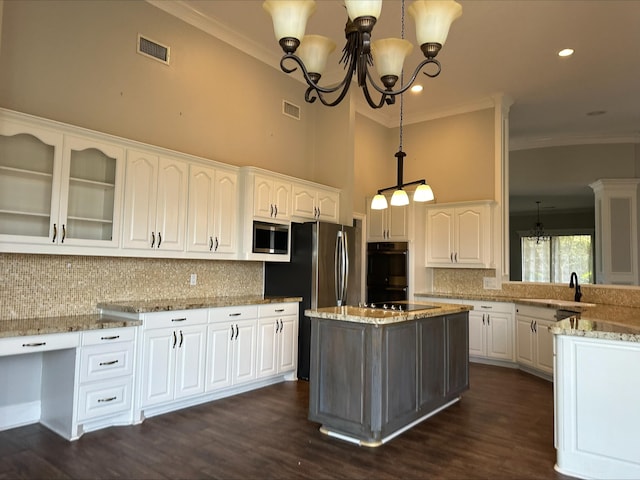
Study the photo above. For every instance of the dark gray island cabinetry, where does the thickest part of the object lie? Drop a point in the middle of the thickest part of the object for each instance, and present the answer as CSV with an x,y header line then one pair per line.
x,y
375,374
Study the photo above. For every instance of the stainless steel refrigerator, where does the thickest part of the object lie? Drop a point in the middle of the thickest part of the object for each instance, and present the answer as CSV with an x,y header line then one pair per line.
x,y
325,270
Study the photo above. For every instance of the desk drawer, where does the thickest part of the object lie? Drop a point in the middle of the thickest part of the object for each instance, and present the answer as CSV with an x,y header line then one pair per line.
x,y
38,343
108,335
104,398
99,362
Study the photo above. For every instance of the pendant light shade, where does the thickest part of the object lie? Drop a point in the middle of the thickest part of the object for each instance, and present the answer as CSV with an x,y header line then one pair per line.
x,y
363,8
389,54
289,16
399,198
423,193
314,51
433,19
379,202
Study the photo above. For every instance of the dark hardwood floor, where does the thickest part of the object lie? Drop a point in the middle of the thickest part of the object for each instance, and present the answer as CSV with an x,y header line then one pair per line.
x,y
502,429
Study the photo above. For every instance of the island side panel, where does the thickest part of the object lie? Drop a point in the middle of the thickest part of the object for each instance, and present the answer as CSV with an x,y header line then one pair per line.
x,y
457,354
432,368
399,377
338,389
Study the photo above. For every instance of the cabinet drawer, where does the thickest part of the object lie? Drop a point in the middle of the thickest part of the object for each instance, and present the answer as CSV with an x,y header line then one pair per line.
x,y
224,314
38,343
99,362
174,318
104,398
277,309
488,307
109,335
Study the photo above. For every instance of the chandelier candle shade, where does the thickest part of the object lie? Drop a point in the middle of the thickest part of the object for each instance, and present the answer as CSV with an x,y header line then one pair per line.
x,y
433,19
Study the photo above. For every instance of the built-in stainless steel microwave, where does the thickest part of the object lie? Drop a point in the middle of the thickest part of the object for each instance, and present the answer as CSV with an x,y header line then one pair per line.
x,y
270,238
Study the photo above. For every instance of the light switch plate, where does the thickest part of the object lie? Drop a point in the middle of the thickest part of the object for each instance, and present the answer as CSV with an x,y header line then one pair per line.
x,y
490,283
194,279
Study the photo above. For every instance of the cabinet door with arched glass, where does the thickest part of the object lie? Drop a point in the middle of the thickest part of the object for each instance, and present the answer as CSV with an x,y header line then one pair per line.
x,y
91,192
30,179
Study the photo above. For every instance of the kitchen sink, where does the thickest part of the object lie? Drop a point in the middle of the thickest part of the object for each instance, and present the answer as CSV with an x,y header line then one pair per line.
x,y
566,305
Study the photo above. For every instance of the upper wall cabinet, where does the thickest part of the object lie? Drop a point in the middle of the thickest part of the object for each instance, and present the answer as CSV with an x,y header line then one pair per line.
x,y
314,203
271,198
390,224
57,189
459,236
213,211
155,202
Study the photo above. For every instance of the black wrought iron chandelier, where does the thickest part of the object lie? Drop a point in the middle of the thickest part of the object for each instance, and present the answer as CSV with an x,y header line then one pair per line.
x,y
537,233
433,19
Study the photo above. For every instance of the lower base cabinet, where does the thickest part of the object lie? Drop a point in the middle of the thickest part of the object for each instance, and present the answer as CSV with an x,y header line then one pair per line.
x,y
491,331
534,340
277,339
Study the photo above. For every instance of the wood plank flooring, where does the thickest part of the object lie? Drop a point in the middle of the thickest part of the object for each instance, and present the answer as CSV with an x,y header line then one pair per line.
x,y
502,429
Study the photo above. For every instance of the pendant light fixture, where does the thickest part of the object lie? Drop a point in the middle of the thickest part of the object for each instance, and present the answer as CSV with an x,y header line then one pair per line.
x,y
537,234
423,192
433,19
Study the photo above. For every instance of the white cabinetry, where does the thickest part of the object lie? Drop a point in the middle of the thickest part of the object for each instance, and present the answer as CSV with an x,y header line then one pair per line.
x,y
105,393
459,236
173,356
390,224
277,339
271,198
491,331
213,210
313,203
231,351
534,340
57,189
155,202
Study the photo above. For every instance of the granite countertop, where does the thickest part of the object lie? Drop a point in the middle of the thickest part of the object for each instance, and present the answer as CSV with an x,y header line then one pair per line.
x,y
384,317
72,323
148,306
582,327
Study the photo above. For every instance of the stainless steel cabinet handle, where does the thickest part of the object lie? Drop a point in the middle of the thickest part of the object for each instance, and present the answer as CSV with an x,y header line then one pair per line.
x,y
271,214
535,326
231,333
55,233
276,210
488,319
237,331
112,362
159,239
181,339
277,326
103,400
153,239
456,257
113,337
64,233
483,318
486,307
179,319
216,249
281,326
210,243
235,314
451,257
531,326
279,310
175,339
35,344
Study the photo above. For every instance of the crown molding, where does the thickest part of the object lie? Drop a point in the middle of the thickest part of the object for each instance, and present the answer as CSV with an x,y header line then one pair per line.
x,y
568,140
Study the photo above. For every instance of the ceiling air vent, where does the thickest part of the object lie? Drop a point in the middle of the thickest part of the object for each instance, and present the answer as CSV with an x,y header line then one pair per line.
x,y
291,110
153,49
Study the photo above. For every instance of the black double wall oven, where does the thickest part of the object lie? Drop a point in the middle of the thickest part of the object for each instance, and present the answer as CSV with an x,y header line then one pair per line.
x,y
387,272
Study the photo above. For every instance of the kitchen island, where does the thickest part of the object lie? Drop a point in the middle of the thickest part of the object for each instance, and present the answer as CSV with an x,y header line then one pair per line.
x,y
596,387
376,373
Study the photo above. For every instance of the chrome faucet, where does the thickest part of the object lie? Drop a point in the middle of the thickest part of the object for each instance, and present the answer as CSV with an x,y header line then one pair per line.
x,y
578,294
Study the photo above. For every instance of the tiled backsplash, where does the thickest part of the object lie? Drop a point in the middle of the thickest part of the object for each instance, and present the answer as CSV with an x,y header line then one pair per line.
x,y
52,285
448,280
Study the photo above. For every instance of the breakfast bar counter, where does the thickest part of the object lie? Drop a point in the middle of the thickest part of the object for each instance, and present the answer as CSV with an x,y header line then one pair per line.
x,y
376,373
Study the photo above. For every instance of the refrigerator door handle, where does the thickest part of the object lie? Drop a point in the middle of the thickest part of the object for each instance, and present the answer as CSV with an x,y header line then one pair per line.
x,y
345,266
337,268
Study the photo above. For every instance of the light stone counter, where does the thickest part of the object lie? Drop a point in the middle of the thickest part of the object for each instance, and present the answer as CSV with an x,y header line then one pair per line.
x,y
384,317
72,323
148,306
583,327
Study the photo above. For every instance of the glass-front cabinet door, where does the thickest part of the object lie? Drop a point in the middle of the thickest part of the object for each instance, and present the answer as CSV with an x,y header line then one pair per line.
x,y
30,174
91,192
57,189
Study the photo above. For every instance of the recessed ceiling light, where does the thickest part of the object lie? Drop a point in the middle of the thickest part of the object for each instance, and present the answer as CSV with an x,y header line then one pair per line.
x,y
565,52
416,88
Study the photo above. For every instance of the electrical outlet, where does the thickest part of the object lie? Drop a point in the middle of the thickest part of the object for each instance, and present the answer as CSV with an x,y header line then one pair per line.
x,y
194,279
490,283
